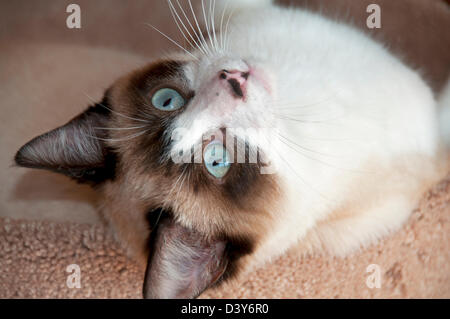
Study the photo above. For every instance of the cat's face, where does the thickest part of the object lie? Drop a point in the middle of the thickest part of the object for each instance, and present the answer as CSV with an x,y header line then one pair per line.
x,y
194,115
186,138
187,162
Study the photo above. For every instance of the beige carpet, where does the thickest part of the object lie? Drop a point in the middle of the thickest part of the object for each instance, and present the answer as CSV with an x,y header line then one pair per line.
x,y
413,263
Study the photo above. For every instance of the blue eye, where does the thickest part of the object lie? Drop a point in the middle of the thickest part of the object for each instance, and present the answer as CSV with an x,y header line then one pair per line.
x,y
167,100
217,159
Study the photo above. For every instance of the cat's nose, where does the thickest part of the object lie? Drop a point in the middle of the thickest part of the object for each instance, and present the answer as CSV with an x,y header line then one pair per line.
x,y
237,80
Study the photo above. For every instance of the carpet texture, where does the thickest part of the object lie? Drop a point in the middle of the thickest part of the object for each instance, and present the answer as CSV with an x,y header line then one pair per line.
x,y
413,263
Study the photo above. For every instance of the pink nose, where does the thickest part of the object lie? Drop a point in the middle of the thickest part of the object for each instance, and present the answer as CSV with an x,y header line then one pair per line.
x,y
237,80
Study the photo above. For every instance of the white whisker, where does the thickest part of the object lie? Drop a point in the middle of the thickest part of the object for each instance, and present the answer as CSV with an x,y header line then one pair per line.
x,y
286,106
177,24
318,160
308,121
119,139
115,112
182,182
213,22
222,44
227,35
173,41
199,43
119,128
174,13
207,24
278,153
304,148
169,195
203,42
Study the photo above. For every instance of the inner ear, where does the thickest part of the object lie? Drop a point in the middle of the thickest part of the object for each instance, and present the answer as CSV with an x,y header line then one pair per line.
x,y
76,149
182,262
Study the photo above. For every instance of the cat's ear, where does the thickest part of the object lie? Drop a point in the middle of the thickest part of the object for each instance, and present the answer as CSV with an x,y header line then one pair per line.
x,y
75,149
182,262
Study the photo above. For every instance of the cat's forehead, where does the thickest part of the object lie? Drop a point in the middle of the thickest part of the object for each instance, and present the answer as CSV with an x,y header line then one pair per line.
x,y
183,71
132,92
160,71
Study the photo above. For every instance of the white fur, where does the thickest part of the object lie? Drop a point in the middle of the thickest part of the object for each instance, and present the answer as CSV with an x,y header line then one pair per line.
x,y
355,113
240,4
444,104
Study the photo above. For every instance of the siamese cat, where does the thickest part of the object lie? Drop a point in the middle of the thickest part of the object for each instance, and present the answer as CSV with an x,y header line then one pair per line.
x,y
272,128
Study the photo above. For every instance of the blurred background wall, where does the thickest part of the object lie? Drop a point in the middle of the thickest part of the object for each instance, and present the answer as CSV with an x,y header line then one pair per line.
x,y
419,30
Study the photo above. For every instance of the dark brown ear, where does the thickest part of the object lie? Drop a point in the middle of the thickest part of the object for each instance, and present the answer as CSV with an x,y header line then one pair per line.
x,y
75,149
182,262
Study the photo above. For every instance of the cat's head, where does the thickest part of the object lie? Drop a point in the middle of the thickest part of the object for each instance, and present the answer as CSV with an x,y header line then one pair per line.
x,y
188,141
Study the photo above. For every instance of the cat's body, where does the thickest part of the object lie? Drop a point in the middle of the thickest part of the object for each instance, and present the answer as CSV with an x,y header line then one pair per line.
x,y
348,134
352,116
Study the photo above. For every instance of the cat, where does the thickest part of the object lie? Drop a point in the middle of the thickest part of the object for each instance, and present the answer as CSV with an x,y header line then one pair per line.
x,y
275,128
